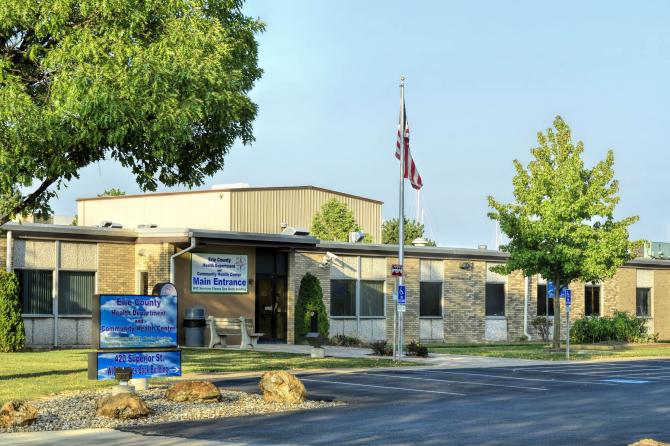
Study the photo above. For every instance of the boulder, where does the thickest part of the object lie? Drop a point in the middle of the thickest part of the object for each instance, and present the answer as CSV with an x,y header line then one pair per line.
x,y
193,391
122,406
648,442
282,387
16,413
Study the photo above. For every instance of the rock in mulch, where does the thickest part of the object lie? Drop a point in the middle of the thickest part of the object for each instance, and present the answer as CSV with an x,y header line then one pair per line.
x,y
282,387
16,413
123,406
648,442
193,391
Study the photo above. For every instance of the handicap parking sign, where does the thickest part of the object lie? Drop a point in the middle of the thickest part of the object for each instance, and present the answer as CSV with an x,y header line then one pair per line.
x,y
567,294
401,294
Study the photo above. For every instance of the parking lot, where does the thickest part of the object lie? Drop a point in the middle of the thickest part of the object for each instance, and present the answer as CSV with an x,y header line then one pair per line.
x,y
564,403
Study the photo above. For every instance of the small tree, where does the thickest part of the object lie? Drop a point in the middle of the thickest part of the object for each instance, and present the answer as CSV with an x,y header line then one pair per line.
x,y
12,331
562,224
113,192
334,222
411,231
310,298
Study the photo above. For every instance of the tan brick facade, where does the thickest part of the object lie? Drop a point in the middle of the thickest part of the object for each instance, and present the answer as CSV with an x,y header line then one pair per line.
x,y
154,258
116,268
464,284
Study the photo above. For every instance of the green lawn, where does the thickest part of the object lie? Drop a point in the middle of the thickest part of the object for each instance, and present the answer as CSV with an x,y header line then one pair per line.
x,y
540,351
30,375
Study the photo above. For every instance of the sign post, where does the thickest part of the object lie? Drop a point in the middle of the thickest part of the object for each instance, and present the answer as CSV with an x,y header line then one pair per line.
x,y
567,294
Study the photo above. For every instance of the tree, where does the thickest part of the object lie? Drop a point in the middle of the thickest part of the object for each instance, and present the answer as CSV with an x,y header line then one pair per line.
x,y
561,224
160,87
113,192
334,222
412,230
310,298
12,331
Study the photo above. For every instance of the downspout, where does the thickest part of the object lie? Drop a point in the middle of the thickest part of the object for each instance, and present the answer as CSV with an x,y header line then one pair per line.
x,y
526,293
177,254
10,252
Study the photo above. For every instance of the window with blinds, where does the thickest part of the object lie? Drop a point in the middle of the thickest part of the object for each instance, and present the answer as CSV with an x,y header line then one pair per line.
x,y
75,292
35,289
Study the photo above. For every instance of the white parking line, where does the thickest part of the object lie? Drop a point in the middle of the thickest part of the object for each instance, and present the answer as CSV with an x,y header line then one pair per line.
x,y
633,371
588,367
380,387
522,379
454,381
614,373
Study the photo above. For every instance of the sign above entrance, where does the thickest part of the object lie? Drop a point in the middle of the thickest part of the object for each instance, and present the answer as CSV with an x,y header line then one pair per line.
x,y
219,273
396,270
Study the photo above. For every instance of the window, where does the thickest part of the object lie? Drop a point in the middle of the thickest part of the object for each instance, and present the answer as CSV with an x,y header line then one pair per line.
x,y
430,299
372,298
343,297
495,299
144,283
592,300
75,292
545,305
643,302
35,290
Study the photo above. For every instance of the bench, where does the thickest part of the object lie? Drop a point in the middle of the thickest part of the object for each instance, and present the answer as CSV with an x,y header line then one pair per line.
x,y
222,327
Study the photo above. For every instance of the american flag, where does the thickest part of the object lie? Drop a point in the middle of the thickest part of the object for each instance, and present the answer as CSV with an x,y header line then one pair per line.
x,y
410,168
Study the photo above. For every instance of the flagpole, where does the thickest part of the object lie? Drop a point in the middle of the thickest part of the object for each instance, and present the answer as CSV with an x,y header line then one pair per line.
x,y
401,214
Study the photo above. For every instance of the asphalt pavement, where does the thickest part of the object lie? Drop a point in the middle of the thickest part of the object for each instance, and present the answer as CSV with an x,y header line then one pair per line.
x,y
596,403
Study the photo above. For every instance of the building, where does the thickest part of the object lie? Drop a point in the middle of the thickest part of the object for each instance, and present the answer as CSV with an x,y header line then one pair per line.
x,y
236,208
452,293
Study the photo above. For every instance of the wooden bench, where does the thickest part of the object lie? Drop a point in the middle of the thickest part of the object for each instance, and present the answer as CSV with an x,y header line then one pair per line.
x,y
222,327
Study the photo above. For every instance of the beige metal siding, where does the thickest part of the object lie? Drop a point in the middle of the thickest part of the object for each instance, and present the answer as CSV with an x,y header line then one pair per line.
x,y
207,210
264,211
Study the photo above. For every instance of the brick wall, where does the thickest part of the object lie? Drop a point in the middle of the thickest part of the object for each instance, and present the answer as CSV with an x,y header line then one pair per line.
x,y
303,263
116,268
661,304
464,316
154,258
3,252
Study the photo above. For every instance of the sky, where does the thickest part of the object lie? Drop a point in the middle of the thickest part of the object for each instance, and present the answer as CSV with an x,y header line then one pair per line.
x,y
482,78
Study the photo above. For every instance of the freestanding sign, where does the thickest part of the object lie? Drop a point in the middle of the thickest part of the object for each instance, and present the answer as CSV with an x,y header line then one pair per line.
x,y
219,273
137,332
128,321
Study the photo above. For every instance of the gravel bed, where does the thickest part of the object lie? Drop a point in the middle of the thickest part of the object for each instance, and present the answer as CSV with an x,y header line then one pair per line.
x,y
77,410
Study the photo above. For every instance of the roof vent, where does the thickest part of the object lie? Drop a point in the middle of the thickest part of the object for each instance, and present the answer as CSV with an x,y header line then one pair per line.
x,y
110,224
295,231
420,241
482,247
356,236
147,225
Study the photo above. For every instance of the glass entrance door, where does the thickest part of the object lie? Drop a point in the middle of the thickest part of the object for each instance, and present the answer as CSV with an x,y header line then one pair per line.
x,y
271,299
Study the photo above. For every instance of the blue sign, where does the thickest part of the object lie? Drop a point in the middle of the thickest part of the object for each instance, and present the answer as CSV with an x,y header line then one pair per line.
x,y
550,288
401,295
144,364
128,321
567,294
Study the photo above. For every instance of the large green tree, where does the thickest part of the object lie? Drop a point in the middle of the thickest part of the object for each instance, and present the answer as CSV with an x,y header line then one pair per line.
x,y
334,221
412,230
561,224
159,86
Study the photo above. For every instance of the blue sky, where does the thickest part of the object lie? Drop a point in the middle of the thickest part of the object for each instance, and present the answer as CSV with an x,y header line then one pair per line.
x,y
482,79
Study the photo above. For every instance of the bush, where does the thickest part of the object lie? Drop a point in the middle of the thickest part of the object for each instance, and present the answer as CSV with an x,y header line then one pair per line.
x,y
416,349
622,327
341,340
542,325
381,348
310,298
12,332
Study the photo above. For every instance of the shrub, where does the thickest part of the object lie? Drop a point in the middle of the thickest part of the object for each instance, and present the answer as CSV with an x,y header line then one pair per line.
x,y
341,340
416,349
12,332
310,298
542,325
622,327
381,348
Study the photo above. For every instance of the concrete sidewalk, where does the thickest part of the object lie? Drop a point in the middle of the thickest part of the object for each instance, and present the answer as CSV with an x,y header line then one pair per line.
x,y
88,437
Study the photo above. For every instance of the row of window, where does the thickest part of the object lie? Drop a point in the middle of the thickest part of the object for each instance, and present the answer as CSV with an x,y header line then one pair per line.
x,y
343,301
545,305
371,304
75,291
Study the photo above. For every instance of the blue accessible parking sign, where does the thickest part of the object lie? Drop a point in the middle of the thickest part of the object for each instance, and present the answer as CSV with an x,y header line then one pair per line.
x,y
401,294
